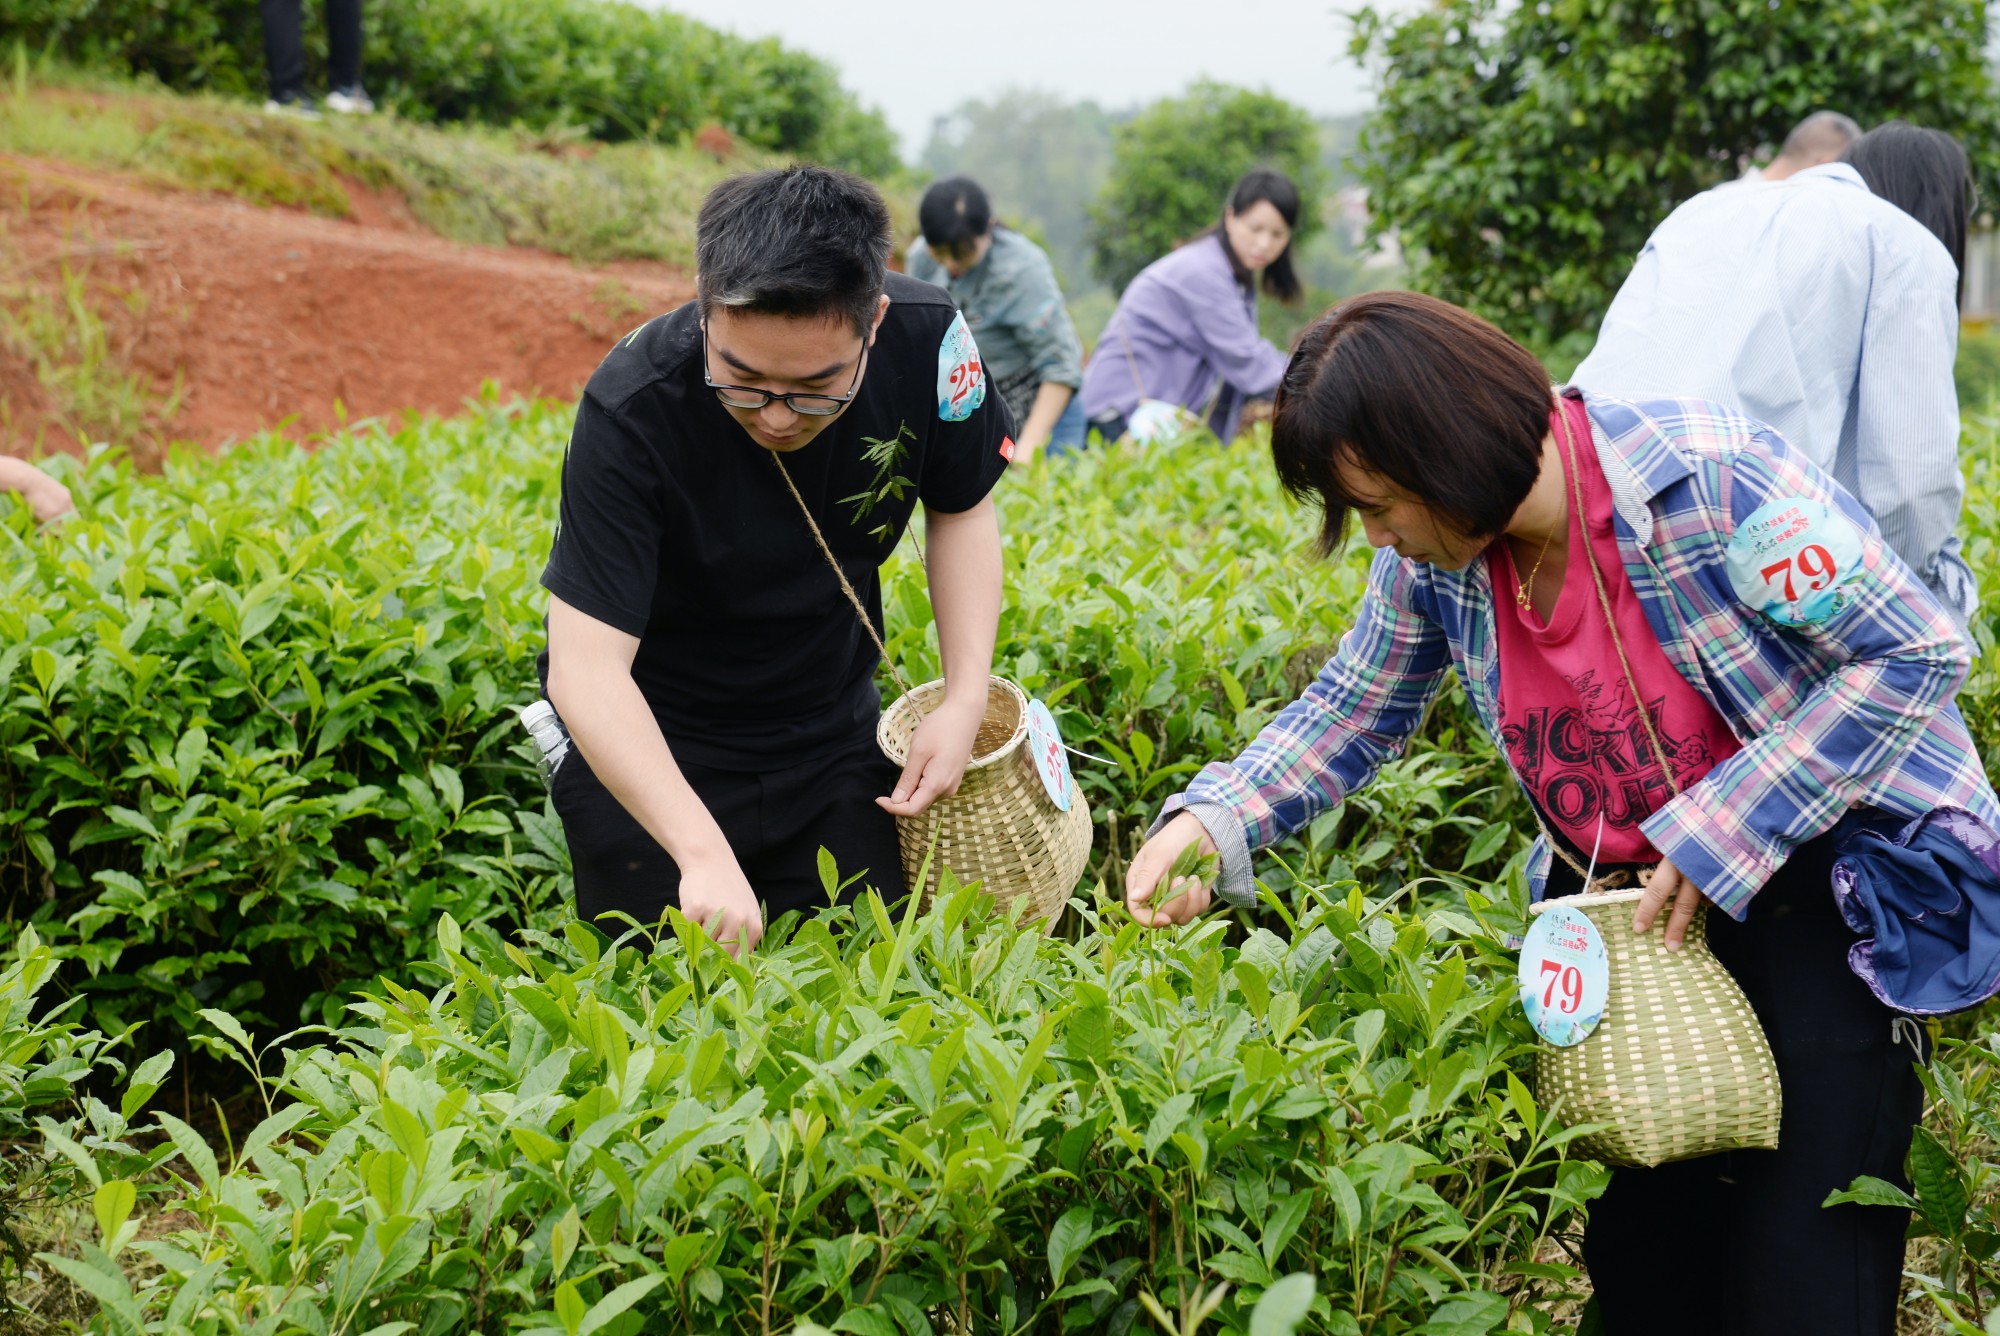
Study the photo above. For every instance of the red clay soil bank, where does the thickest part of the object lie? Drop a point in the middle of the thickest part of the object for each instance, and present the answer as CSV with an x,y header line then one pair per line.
x,y
271,316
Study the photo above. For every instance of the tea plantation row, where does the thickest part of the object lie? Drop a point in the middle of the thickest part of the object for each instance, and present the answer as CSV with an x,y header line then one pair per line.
x,y
259,724
257,749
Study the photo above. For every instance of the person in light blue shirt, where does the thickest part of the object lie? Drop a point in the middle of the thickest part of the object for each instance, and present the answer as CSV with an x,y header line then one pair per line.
x,y
1824,305
1007,290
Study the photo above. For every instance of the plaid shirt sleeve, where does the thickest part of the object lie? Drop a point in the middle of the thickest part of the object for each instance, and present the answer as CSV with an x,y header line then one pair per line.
x,y
1368,700
1887,662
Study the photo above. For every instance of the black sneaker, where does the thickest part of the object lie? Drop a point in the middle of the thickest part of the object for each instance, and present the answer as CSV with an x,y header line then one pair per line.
x,y
292,104
350,101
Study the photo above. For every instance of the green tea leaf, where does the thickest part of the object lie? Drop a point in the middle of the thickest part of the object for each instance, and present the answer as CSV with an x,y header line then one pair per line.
x,y
1070,1235
562,1246
1468,1315
146,1081
1284,1306
1167,1120
112,1205
617,1302
188,756
1941,1192
193,1149
570,1308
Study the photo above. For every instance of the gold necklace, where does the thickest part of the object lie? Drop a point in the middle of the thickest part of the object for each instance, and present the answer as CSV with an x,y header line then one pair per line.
x,y
1524,590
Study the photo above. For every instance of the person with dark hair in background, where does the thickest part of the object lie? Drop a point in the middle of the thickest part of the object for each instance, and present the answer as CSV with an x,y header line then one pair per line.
x,y
1007,289
1185,331
1696,655
705,652
285,58
1926,174
1826,306
1818,139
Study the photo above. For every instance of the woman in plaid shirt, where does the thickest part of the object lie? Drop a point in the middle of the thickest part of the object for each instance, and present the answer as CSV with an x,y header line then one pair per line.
x,y
1698,655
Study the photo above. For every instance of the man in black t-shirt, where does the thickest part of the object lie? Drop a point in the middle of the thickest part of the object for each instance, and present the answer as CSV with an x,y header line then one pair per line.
x,y
716,682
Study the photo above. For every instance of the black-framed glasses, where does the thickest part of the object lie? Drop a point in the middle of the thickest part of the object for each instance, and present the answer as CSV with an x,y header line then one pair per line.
x,y
806,405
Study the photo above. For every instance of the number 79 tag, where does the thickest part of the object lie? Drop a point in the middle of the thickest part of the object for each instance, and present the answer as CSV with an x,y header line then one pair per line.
x,y
1796,561
1564,975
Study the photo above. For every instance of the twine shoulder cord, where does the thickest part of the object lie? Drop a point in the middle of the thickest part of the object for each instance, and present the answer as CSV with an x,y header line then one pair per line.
x,y
854,599
1617,879
839,574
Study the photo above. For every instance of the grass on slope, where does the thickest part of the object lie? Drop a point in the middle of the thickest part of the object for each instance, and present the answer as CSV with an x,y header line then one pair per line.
x,y
563,193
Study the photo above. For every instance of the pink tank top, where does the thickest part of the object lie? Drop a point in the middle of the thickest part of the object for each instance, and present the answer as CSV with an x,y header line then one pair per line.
x,y
1567,718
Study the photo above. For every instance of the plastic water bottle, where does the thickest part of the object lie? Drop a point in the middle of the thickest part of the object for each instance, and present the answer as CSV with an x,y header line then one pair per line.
x,y
551,739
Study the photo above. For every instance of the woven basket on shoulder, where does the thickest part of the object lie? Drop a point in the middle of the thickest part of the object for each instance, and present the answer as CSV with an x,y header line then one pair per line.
x,y
1001,828
1678,1066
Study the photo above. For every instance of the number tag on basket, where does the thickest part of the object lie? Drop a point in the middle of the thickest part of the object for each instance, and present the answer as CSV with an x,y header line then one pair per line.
x,y
1565,976
1045,746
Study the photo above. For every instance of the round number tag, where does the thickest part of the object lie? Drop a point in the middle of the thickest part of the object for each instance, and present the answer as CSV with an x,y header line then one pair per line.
x,y
1796,561
1565,977
1051,763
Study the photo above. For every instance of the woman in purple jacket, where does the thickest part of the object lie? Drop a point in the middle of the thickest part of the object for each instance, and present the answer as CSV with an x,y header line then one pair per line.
x,y
1186,328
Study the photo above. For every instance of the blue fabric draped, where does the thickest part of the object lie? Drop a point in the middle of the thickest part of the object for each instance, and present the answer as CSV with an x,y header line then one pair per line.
x,y
1926,899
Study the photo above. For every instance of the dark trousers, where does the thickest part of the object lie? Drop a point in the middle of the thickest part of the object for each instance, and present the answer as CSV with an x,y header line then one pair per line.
x,y
1738,1244
284,45
776,822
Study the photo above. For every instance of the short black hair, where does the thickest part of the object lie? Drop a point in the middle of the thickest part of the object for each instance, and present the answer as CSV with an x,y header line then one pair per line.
x,y
1924,173
803,240
1422,393
1265,185
955,213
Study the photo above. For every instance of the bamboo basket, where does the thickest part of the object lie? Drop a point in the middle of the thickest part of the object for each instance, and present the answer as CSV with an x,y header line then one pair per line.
x,y
1679,1066
1001,828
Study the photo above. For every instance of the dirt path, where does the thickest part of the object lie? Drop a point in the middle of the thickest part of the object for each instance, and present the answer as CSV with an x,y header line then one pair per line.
x,y
269,317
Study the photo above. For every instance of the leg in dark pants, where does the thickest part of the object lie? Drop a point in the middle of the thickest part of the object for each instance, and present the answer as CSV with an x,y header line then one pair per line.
x,y
284,48
343,44
776,823
1771,1260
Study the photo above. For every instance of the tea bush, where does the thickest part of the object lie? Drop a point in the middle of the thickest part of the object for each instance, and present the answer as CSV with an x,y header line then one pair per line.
x,y
259,723
257,729
942,1124
43,1057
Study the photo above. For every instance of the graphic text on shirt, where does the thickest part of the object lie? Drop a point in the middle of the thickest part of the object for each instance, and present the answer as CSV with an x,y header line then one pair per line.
x,y
1594,757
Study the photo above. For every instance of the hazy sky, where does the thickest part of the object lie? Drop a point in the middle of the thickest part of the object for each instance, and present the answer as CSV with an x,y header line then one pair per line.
x,y
917,59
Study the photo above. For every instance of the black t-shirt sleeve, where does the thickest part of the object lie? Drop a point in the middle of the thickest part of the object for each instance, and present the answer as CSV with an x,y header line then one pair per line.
x,y
966,458
606,555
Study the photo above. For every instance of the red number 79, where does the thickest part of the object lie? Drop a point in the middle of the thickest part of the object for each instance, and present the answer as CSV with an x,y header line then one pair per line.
x,y
1814,562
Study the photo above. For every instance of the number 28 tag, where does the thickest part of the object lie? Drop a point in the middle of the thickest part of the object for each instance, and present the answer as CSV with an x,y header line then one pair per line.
x,y
1565,977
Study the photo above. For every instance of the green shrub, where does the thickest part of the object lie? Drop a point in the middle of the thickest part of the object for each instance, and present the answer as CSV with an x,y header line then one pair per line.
x,y
943,1124
259,725
618,70
43,1058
